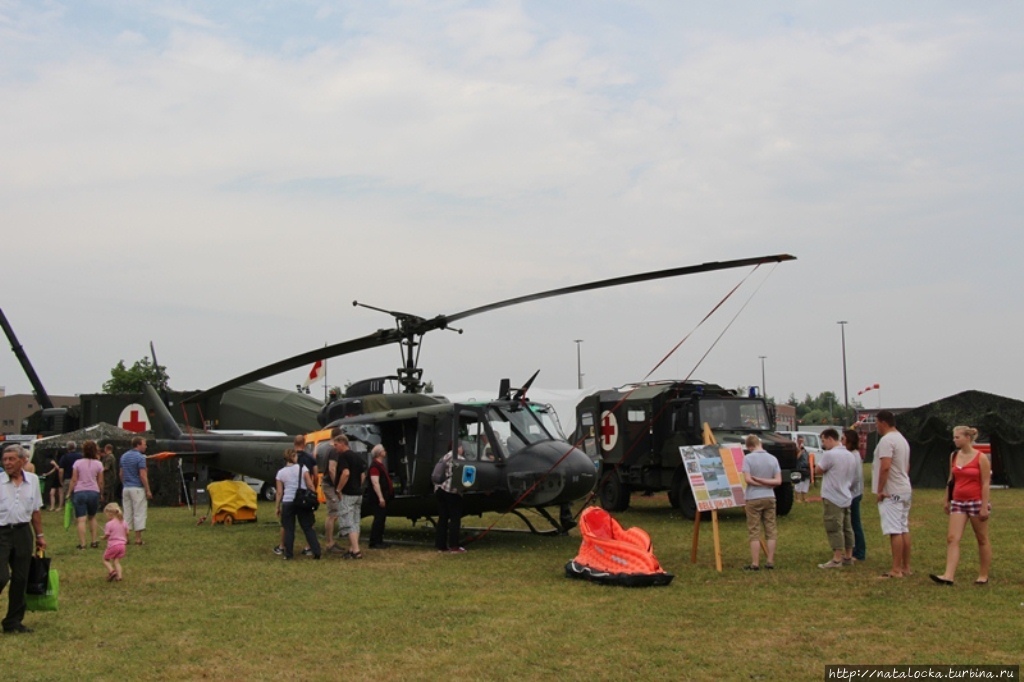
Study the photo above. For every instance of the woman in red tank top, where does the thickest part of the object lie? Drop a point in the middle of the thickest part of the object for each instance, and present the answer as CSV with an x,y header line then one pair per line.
x,y
970,473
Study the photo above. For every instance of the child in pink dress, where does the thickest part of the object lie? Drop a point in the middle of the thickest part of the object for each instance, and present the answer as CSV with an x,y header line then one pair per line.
x,y
116,533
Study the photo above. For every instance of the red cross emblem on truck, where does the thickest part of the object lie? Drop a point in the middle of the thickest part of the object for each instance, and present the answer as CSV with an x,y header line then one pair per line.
x,y
133,418
609,430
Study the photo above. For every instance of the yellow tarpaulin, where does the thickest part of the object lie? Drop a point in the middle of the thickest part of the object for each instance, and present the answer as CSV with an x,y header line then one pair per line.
x,y
231,496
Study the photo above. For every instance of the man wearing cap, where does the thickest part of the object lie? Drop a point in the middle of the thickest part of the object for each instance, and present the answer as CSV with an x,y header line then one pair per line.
x,y
20,520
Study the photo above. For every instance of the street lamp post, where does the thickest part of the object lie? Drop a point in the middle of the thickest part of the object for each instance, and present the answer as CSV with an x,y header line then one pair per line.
x,y
579,367
846,392
764,389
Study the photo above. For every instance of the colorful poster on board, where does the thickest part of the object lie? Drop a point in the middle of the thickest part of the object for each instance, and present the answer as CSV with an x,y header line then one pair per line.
x,y
716,475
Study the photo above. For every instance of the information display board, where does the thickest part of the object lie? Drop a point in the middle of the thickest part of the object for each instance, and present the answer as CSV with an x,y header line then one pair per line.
x,y
716,475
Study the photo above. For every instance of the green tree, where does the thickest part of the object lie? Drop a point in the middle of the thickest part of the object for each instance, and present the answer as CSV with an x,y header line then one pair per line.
x,y
826,408
130,379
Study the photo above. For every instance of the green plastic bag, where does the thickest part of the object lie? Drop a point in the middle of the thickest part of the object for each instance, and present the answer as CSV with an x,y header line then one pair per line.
x,y
69,514
48,601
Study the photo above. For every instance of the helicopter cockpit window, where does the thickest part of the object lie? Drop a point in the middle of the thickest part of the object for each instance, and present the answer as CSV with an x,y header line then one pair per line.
x,y
475,443
520,426
497,433
547,415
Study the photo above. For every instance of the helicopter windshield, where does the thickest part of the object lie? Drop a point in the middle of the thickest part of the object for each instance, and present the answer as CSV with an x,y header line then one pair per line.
x,y
735,415
520,426
499,431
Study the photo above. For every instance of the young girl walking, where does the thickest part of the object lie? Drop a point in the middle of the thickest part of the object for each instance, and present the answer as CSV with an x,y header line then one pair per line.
x,y
116,533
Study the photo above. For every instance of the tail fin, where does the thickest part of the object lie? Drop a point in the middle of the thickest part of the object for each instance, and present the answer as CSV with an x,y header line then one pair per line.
x,y
164,425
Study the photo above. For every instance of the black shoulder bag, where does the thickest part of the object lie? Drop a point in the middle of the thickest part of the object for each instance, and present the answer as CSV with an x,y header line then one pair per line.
x,y
305,499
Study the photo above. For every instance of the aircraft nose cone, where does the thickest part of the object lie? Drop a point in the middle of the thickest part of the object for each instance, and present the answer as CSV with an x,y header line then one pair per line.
x,y
552,472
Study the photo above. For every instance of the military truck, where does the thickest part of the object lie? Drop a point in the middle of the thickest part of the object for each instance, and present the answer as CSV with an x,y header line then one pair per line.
x,y
640,428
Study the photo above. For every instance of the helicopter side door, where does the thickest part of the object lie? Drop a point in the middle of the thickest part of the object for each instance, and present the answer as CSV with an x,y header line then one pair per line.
x,y
433,434
479,463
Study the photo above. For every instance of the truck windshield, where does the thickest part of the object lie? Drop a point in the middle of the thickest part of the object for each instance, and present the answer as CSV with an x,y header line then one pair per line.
x,y
735,415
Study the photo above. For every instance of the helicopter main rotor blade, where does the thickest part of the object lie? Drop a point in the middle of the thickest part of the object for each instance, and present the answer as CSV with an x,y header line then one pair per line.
x,y
410,326
381,337
618,281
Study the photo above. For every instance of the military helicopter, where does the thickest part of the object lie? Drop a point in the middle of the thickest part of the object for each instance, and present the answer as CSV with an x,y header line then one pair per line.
x,y
511,451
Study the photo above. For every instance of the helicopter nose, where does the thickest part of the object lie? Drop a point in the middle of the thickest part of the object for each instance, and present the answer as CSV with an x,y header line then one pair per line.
x,y
553,472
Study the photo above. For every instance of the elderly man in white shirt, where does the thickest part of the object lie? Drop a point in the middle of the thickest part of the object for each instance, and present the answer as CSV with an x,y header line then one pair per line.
x,y
20,501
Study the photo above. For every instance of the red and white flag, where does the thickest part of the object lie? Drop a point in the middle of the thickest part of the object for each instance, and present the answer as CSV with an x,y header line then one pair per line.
x,y
872,387
316,373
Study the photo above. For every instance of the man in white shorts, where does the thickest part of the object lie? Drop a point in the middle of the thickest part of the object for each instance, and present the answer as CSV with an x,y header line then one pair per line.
x,y
890,480
135,481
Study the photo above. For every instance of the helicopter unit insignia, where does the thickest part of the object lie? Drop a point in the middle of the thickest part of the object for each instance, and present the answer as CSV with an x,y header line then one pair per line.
x,y
468,476
609,430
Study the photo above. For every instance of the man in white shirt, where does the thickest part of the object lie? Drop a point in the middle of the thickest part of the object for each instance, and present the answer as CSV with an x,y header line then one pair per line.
x,y
20,501
838,466
890,480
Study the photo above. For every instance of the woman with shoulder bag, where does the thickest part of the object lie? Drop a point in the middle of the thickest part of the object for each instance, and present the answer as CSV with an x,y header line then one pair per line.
x,y
290,480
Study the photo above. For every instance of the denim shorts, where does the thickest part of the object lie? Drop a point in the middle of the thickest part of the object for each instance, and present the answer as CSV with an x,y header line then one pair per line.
x,y
86,502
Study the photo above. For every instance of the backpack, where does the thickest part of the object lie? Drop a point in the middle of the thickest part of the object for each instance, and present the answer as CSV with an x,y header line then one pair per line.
x,y
440,472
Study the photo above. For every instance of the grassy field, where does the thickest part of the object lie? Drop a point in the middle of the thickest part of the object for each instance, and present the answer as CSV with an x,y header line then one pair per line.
x,y
215,603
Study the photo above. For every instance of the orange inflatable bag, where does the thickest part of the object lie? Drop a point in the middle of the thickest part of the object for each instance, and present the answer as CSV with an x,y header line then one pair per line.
x,y
612,555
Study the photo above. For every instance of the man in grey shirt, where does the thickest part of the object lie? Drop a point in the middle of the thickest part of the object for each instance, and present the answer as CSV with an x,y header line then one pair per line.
x,y
762,474
838,466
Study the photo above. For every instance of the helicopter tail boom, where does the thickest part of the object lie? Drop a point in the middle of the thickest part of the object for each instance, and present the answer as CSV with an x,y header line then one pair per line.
x,y
164,425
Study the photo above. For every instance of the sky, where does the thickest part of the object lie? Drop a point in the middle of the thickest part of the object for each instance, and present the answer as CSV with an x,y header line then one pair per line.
x,y
224,179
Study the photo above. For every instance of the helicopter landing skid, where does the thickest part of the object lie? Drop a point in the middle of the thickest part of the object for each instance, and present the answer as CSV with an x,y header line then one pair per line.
x,y
557,528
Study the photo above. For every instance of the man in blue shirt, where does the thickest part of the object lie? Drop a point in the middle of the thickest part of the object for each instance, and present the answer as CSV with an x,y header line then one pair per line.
x,y
135,481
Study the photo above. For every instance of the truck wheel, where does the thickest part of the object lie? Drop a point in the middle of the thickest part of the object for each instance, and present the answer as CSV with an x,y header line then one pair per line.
x,y
687,505
783,499
613,494
678,480
269,492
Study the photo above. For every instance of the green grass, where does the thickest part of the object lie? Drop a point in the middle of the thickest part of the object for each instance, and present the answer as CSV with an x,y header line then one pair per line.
x,y
215,603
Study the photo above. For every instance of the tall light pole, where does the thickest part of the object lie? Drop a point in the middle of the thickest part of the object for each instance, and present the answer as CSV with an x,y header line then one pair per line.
x,y
764,389
579,367
846,391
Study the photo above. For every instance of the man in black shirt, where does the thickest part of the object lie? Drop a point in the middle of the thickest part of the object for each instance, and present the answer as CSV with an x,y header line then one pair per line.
x,y
328,454
350,488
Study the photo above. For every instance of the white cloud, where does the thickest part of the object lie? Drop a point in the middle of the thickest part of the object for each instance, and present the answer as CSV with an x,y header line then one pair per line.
x,y
229,182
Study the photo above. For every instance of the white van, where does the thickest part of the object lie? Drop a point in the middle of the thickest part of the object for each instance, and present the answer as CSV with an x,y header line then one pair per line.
x,y
812,440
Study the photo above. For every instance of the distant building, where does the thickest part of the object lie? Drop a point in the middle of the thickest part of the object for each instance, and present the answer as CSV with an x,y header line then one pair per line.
x,y
785,417
16,409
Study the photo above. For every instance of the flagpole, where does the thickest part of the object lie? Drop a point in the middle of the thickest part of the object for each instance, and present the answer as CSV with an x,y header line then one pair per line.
x,y
325,378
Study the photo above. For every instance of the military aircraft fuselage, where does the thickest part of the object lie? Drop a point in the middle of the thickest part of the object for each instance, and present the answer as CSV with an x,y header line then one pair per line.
x,y
507,452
